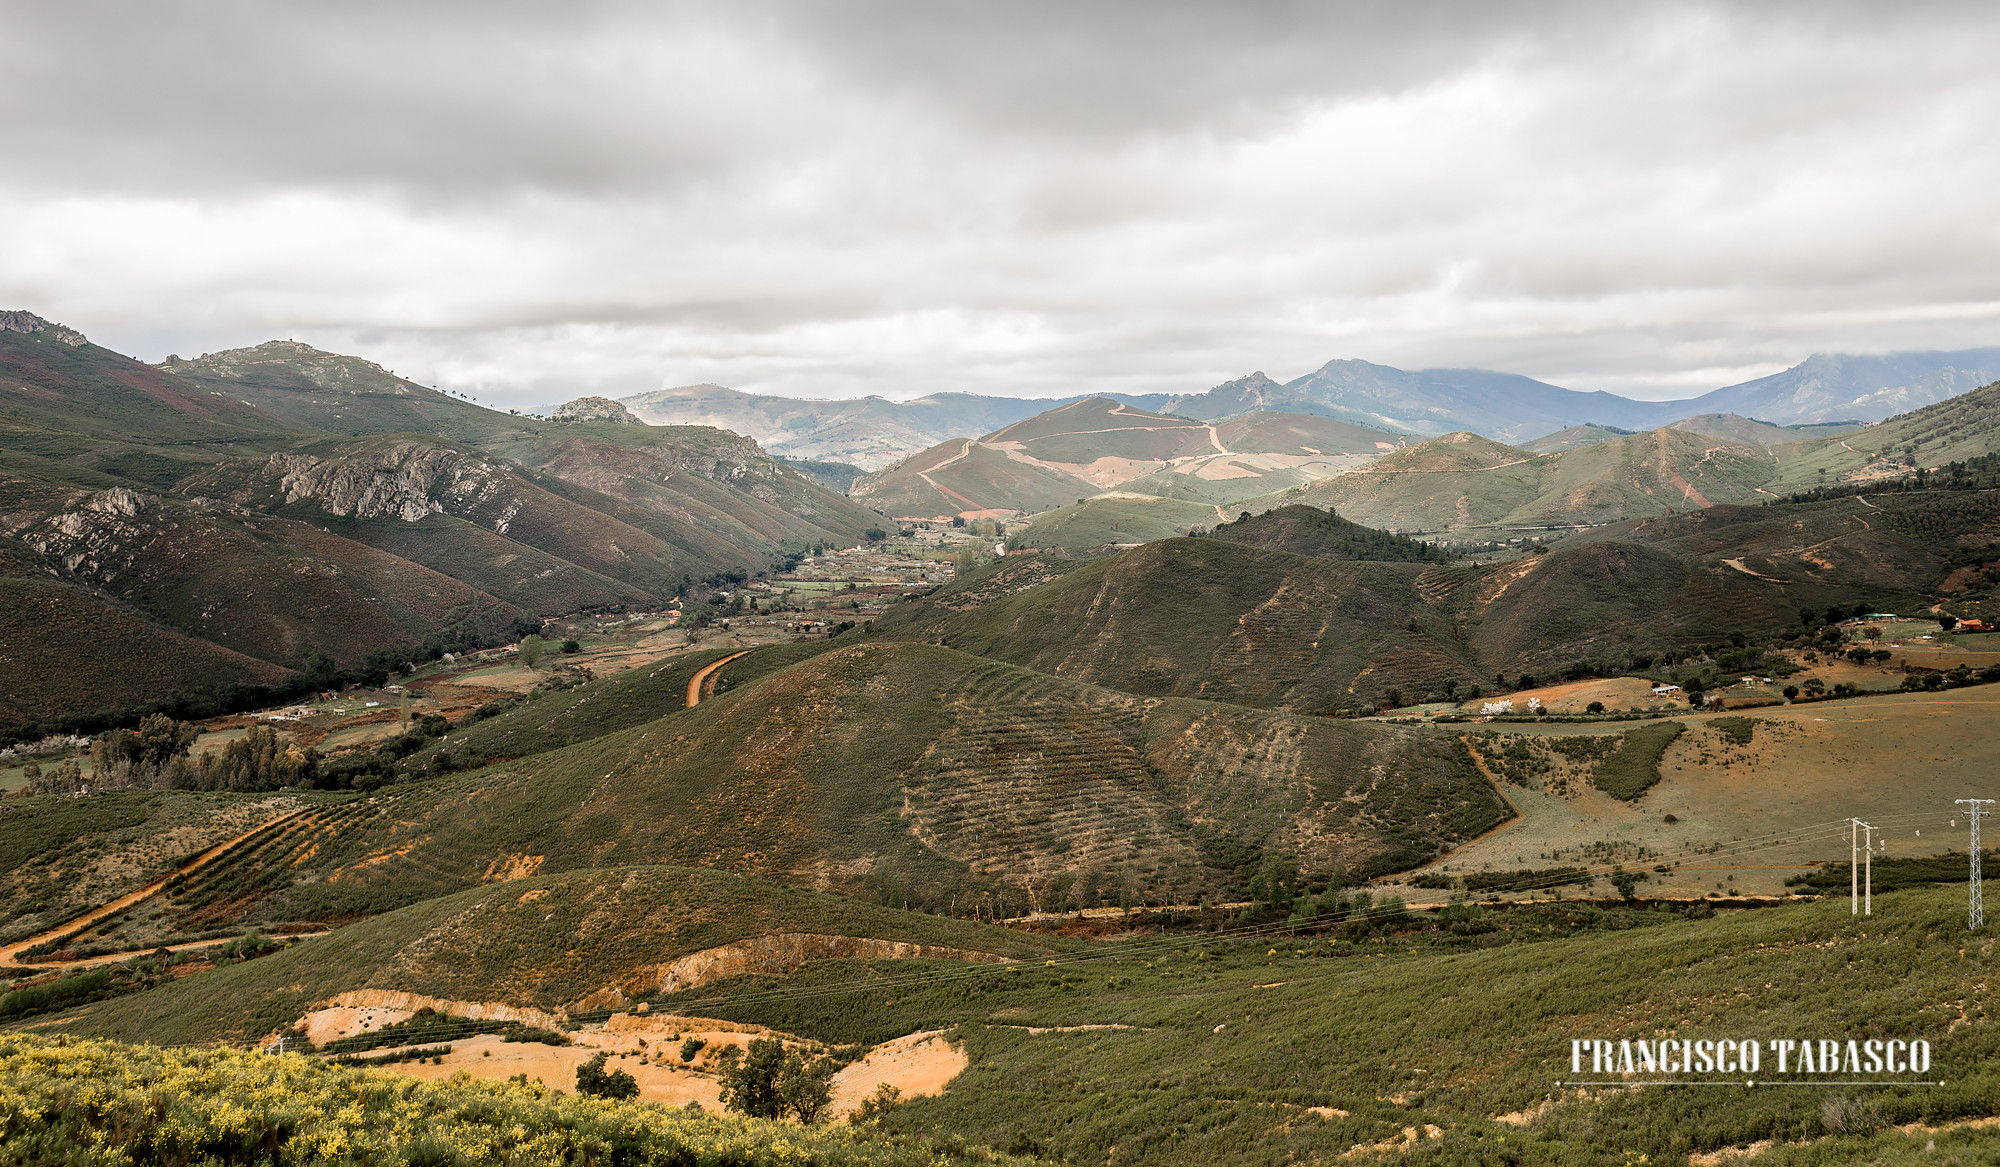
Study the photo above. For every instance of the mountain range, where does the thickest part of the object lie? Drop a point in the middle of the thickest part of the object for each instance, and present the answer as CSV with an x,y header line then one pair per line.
x,y
272,515
874,433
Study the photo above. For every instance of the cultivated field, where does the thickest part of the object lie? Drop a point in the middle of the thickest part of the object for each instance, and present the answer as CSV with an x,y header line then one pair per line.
x,y
1749,815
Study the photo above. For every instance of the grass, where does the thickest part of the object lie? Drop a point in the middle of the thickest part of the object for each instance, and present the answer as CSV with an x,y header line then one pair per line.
x,y
1101,521
545,941
1228,1044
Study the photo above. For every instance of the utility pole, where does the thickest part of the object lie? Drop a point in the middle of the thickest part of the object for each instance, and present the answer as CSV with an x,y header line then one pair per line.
x,y
1861,890
1975,908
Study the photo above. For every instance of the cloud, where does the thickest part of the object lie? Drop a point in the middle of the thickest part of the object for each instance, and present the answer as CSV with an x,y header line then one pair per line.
x,y
830,200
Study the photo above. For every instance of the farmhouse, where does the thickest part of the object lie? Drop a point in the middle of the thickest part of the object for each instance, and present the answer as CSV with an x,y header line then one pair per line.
x,y
1663,690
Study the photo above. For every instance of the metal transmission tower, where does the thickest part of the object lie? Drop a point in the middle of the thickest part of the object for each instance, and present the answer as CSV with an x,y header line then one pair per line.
x,y
1975,909
1861,888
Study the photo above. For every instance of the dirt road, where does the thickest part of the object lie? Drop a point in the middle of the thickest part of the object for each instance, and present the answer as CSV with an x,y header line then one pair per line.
x,y
703,674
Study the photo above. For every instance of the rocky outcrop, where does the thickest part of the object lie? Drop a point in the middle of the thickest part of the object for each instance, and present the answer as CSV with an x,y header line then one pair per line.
x,y
394,482
407,480
94,538
594,409
17,321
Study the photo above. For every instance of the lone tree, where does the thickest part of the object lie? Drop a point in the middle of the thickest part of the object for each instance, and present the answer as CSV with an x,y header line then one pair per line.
x,y
531,650
594,1080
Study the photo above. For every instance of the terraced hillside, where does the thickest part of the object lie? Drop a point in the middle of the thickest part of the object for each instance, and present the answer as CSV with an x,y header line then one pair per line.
x,y
897,773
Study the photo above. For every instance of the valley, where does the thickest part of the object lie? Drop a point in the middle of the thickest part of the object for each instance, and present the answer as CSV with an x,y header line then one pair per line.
x,y
1135,781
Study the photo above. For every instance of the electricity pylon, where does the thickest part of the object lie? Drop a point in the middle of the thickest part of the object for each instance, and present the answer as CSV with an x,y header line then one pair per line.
x,y
1975,908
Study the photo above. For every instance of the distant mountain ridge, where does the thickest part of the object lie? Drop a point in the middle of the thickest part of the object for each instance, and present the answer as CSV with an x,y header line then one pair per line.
x,y
875,433
1821,389
872,433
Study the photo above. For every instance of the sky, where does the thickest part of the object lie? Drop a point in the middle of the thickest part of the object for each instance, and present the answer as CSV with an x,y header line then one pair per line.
x,y
531,202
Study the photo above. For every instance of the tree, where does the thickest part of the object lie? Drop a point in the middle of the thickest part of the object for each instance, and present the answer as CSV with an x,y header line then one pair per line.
x,y
531,650
1626,881
1791,692
571,646
594,1080
1594,707
766,1082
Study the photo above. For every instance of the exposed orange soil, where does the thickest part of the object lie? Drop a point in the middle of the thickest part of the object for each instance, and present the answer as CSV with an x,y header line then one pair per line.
x,y
701,676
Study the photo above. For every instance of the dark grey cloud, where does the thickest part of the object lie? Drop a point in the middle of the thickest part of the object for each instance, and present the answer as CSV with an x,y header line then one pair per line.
x,y
834,199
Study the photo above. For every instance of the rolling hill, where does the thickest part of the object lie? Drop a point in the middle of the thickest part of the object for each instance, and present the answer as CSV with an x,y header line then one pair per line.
x,y
1955,430
1077,450
1464,482
1271,622
893,772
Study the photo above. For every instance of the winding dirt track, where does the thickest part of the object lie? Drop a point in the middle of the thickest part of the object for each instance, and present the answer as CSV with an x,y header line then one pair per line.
x,y
703,674
9,955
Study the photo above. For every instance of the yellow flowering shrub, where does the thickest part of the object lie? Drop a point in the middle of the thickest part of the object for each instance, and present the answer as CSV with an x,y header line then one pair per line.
x,y
70,1101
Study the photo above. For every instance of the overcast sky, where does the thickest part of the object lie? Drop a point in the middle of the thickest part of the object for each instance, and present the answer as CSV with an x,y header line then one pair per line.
x,y
832,199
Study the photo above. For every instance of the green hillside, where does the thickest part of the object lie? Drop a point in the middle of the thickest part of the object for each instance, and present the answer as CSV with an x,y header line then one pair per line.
x,y
1749,431
1217,620
898,773
60,394
1572,438
545,942
1261,625
1463,482
1304,530
1456,1032
1958,429
311,390
1114,518
1303,433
